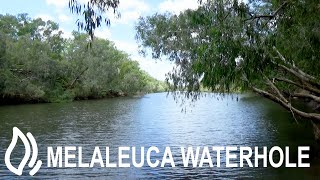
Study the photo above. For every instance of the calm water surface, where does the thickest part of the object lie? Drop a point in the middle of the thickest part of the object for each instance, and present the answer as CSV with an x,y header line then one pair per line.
x,y
155,120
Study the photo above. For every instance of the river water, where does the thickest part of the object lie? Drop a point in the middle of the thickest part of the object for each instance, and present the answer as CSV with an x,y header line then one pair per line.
x,y
156,120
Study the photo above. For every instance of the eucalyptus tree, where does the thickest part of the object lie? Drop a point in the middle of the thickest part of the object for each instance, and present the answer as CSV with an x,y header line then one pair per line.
x,y
30,57
93,12
38,65
270,47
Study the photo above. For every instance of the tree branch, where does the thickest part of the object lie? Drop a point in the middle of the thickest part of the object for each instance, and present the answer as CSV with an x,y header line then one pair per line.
x,y
303,74
268,16
305,95
302,86
77,78
307,82
288,106
275,89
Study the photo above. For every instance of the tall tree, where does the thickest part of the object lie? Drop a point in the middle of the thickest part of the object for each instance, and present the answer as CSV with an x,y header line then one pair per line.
x,y
270,47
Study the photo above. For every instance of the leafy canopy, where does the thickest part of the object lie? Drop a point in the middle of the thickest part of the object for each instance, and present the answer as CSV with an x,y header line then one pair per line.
x,y
38,65
270,47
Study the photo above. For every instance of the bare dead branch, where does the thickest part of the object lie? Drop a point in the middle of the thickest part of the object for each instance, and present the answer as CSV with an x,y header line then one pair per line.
x,y
306,82
303,74
306,95
300,85
273,86
288,106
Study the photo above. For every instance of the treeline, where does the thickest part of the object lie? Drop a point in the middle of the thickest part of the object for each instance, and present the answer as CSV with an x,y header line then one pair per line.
x,y
38,65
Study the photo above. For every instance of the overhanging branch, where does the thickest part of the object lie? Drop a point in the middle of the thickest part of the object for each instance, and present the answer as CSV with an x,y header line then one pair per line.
x,y
300,85
306,95
288,106
306,76
272,85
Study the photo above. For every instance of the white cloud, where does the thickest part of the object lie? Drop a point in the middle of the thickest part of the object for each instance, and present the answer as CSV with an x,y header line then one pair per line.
x,y
176,6
157,69
130,11
126,17
64,18
130,48
103,33
45,17
138,5
66,34
58,3
244,1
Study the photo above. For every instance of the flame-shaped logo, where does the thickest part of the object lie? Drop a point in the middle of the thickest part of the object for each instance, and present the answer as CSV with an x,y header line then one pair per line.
x,y
32,163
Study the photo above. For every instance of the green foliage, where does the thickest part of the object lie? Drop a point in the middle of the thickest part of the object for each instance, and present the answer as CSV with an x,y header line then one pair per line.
x,y
270,47
93,13
38,65
203,43
227,45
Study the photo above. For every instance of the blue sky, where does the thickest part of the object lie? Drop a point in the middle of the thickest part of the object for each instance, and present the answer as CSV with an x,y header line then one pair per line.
x,y
121,32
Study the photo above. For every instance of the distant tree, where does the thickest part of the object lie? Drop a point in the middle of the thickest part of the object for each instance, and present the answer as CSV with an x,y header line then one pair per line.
x,y
38,65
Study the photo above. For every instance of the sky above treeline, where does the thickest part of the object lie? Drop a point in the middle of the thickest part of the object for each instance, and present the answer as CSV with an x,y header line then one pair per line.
x,y
121,31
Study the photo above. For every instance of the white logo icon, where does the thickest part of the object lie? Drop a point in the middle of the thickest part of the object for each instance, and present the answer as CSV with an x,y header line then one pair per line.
x,y
32,163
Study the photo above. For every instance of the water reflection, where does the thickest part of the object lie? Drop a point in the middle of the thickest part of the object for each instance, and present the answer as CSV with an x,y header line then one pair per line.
x,y
155,120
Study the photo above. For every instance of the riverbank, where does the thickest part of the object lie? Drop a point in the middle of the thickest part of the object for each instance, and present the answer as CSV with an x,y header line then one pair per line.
x,y
18,100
